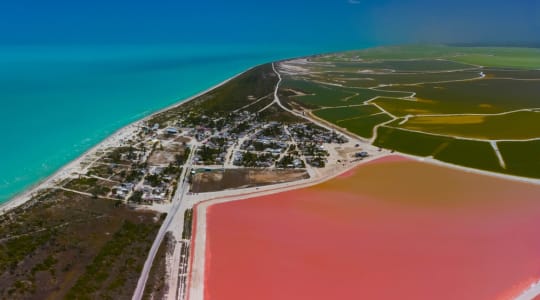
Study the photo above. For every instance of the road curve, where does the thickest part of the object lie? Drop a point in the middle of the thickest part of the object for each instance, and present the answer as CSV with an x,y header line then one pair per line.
x,y
278,102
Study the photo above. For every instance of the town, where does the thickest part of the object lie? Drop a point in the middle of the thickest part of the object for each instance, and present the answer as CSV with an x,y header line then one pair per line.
x,y
146,168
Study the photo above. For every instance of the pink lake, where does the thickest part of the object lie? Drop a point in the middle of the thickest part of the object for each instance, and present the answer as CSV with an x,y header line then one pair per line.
x,y
390,229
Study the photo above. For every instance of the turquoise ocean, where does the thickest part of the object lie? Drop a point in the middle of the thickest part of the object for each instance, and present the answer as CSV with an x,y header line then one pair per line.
x,y
56,102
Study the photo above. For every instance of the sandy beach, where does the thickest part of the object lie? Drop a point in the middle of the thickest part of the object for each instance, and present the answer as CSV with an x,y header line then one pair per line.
x,y
114,140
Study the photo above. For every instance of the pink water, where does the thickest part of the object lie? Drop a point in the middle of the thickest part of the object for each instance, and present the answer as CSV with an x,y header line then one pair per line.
x,y
393,229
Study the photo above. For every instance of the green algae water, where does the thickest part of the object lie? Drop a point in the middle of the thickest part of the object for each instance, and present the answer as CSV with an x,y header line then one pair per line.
x,y
57,102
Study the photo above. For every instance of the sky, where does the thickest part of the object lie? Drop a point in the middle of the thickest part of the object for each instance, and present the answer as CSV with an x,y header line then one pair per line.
x,y
314,22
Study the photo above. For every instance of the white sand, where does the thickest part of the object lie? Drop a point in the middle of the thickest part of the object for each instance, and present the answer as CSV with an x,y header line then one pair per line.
x,y
74,167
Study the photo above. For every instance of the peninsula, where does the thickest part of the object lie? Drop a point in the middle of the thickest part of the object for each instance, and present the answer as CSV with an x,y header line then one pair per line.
x,y
329,147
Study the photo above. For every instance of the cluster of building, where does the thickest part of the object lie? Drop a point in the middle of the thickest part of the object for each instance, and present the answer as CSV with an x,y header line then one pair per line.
x,y
311,133
239,139
141,181
311,140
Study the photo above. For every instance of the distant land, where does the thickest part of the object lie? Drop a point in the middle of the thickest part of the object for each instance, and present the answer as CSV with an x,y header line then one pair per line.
x,y
475,107
498,44
344,169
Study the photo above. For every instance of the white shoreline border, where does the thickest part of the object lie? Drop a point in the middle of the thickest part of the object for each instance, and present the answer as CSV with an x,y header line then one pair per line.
x,y
111,141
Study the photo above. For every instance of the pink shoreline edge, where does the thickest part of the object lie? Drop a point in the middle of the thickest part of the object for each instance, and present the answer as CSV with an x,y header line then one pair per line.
x,y
385,159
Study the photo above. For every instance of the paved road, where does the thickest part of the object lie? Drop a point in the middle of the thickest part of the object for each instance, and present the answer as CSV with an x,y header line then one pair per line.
x,y
278,102
177,200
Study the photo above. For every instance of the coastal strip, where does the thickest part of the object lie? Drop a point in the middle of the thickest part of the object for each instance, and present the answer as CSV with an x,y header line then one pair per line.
x,y
114,140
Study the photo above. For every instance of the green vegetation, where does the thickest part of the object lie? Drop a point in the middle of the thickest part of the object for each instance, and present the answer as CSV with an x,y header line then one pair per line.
x,y
521,158
239,92
374,80
342,113
456,151
14,250
276,113
257,83
154,179
288,162
136,197
81,183
397,52
479,96
90,185
359,120
403,107
511,73
526,58
252,159
469,97
408,142
317,95
47,265
255,107
209,155
446,96
47,243
518,125
418,65
68,245
363,126
117,264
324,95
188,224
363,95
156,286
116,154
473,154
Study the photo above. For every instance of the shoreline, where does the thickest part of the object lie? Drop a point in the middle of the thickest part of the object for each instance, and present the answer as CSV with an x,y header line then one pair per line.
x,y
200,253
197,266
115,138
112,140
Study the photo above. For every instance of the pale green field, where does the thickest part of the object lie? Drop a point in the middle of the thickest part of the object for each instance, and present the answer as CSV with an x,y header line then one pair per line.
x,y
503,57
363,126
522,157
523,58
343,113
518,125
474,96
474,154
473,91
359,120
